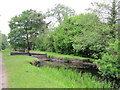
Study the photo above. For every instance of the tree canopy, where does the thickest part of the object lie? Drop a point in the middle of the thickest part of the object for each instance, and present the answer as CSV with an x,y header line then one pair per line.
x,y
25,28
59,13
3,42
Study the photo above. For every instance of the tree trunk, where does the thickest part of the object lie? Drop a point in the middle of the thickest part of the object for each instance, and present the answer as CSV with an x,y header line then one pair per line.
x,y
28,46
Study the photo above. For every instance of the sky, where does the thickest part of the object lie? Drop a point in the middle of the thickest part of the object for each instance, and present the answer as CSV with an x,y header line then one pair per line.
x,y
10,8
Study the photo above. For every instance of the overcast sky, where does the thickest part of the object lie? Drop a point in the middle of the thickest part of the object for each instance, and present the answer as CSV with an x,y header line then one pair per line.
x,y
10,8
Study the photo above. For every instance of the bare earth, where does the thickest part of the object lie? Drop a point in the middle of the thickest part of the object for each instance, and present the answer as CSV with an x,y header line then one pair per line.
x,y
3,75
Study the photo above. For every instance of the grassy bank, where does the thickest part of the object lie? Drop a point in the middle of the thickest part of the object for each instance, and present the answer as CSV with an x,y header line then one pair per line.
x,y
22,75
62,56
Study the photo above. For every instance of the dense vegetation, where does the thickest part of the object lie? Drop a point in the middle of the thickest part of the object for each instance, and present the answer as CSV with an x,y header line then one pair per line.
x,y
80,35
3,42
22,75
86,35
25,28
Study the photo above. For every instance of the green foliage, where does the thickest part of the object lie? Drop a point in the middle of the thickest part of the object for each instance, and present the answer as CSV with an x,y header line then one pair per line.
x,y
63,35
22,75
109,64
112,19
16,39
85,35
93,42
107,12
24,29
60,12
3,42
44,42
62,42
41,43
82,35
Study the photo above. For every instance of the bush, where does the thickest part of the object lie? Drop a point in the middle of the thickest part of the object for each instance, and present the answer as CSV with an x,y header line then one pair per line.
x,y
109,64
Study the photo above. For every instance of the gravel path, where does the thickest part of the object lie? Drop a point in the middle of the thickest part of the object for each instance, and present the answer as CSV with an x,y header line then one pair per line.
x,y
3,75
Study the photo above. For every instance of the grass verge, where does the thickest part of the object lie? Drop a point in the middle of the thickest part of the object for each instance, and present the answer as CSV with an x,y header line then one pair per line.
x,y
22,75
62,56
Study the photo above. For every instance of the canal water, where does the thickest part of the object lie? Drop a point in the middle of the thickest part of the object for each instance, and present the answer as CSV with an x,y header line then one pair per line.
x,y
78,68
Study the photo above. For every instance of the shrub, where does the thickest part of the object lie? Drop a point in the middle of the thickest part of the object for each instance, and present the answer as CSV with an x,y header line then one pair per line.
x,y
109,64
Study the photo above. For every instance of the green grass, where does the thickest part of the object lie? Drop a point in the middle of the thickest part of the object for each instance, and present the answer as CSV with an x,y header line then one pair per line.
x,y
62,56
23,75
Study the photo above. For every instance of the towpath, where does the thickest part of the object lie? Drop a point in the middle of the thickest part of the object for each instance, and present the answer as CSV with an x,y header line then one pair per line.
x,y
3,75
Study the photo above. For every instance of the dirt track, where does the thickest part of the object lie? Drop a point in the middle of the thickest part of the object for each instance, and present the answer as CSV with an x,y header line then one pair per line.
x,y
3,75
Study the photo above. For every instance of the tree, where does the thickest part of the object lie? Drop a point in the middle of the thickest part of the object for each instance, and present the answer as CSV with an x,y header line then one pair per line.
x,y
17,40
61,40
60,12
44,42
82,35
3,42
89,35
109,63
107,12
25,27
112,19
